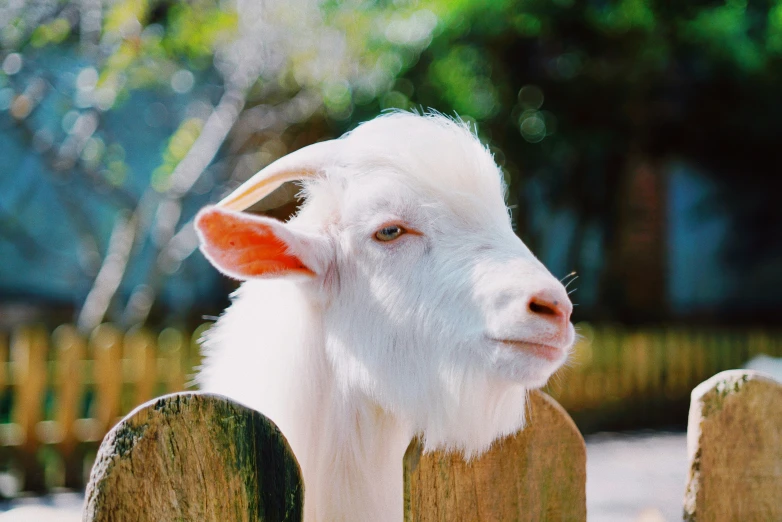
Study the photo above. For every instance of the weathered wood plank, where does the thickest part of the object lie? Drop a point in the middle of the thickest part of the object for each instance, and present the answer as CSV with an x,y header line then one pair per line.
x,y
191,456
734,446
537,474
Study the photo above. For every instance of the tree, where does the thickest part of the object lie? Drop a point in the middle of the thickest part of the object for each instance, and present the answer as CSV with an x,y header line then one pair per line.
x,y
120,119
588,102
228,88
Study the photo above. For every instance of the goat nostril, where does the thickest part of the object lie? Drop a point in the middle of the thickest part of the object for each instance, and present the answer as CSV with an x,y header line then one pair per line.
x,y
539,307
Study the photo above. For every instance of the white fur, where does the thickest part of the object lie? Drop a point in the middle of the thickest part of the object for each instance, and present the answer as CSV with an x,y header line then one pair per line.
x,y
390,340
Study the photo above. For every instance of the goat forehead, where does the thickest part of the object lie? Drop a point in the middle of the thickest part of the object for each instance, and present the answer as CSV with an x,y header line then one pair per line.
x,y
429,149
411,165
388,197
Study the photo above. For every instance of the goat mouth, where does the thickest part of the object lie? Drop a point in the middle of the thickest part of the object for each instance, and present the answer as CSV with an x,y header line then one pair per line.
x,y
542,351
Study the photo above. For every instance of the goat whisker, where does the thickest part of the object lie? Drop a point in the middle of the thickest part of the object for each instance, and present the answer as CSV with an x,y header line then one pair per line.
x,y
568,275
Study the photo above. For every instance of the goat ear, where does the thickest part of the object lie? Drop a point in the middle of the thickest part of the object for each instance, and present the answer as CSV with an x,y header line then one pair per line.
x,y
243,246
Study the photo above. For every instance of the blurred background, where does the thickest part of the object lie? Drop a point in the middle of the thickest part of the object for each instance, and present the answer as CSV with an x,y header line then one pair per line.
x,y
640,140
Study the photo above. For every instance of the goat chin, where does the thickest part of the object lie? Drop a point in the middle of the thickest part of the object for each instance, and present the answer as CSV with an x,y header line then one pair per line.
x,y
397,302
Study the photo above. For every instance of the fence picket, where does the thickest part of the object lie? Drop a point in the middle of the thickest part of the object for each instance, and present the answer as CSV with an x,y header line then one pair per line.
x,y
194,350
201,457
734,445
69,387
141,360
4,362
28,357
537,474
106,346
171,365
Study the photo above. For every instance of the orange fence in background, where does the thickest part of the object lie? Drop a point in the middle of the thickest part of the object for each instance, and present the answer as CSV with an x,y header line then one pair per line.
x,y
60,392
636,375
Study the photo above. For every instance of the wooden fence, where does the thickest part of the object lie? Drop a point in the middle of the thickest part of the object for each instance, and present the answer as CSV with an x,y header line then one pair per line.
x,y
215,473
625,378
60,392
734,446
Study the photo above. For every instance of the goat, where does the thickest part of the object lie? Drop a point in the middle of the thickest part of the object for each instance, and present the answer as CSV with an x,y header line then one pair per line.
x,y
398,301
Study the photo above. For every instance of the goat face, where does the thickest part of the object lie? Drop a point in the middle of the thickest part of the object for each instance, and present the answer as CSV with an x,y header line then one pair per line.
x,y
432,306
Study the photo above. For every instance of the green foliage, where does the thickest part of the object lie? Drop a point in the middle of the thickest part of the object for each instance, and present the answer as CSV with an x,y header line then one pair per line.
x,y
176,149
234,77
616,82
774,30
124,17
623,16
464,79
565,92
52,33
195,30
725,30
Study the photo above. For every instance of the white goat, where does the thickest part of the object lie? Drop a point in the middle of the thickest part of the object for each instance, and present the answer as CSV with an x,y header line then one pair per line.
x,y
397,302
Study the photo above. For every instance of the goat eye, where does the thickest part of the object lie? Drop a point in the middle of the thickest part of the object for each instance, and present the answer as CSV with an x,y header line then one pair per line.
x,y
389,233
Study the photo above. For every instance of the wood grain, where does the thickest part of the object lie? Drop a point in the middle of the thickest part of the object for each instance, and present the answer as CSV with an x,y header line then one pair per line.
x,y
191,456
734,445
538,474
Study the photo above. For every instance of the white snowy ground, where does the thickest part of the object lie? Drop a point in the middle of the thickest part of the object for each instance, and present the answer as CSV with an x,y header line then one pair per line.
x,y
630,477
639,477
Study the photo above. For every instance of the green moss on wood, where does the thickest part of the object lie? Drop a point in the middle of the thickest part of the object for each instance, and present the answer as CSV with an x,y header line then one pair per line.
x,y
139,474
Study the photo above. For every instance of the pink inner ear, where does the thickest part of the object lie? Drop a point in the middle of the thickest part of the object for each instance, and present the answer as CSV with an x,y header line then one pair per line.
x,y
244,247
